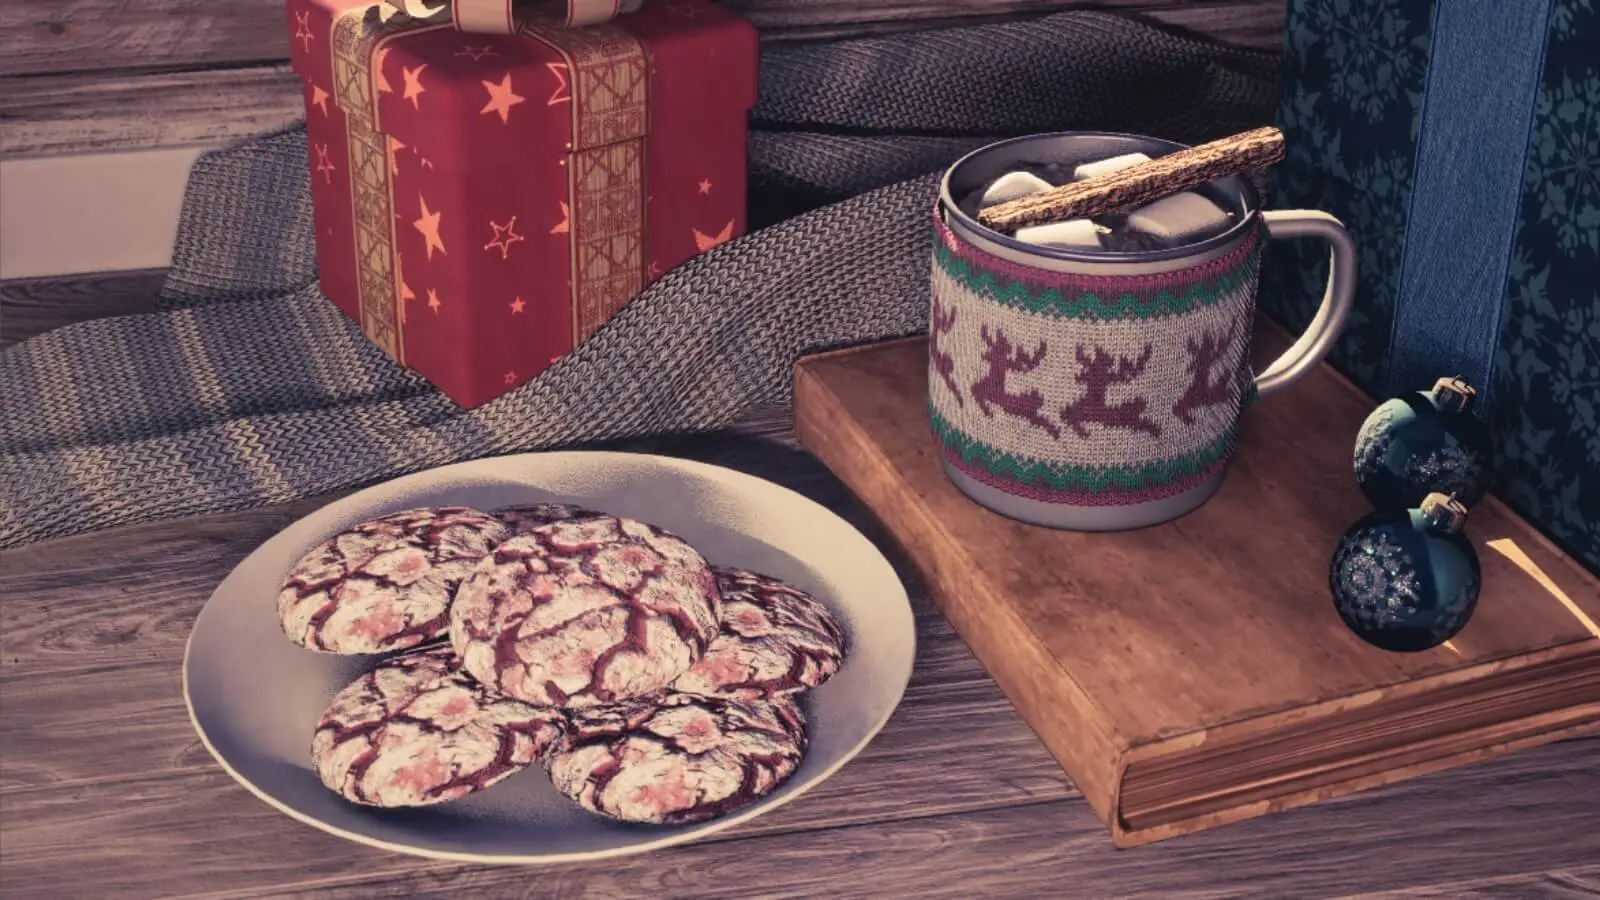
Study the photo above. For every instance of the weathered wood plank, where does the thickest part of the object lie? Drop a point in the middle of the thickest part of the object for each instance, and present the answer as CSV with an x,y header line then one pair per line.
x,y
33,306
65,105
166,835
103,112
1566,884
45,36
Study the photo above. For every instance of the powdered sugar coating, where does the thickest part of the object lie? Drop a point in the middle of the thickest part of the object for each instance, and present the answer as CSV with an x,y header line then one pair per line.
x,y
677,758
416,731
386,584
584,612
528,516
775,639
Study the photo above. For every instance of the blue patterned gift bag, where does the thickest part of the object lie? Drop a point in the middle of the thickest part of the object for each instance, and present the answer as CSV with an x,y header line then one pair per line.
x,y
1459,140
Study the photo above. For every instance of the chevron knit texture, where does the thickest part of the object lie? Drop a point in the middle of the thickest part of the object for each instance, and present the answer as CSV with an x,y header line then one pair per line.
x,y
250,388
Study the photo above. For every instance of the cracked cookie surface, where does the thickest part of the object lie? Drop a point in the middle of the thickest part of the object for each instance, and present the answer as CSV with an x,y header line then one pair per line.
x,y
774,639
677,758
528,516
416,731
584,612
385,584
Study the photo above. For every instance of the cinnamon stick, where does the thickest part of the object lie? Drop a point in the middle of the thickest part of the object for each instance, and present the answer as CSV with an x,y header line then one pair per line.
x,y
1140,184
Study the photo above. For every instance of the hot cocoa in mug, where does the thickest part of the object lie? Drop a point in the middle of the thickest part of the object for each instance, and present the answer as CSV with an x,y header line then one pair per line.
x,y
1091,376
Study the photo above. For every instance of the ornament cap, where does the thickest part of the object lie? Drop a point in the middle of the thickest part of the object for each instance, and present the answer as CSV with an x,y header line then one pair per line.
x,y
1454,394
1445,513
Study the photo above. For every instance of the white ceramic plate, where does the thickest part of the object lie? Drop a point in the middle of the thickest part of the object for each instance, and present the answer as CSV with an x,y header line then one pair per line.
x,y
255,698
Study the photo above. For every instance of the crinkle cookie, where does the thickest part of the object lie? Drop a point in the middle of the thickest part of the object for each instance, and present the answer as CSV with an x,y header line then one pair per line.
x,y
528,516
386,584
417,731
775,639
677,758
584,612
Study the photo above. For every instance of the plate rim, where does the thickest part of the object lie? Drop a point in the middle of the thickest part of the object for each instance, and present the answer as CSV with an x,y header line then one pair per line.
x,y
697,834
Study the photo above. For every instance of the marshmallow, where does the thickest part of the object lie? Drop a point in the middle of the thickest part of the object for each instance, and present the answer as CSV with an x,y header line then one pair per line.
x,y
1107,166
1180,218
1073,234
1013,186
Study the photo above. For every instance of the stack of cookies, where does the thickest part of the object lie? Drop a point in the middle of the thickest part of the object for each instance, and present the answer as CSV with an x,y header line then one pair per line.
x,y
652,686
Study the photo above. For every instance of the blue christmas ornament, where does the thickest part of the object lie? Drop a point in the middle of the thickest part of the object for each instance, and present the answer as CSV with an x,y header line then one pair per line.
x,y
1406,580
1421,443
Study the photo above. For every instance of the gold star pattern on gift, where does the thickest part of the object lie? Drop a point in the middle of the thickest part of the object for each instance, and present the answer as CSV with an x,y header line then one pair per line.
x,y
428,224
414,88
565,225
319,99
433,301
707,241
705,185
562,93
302,29
405,290
511,377
501,98
380,83
655,270
504,236
476,53
517,306
324,164
394,165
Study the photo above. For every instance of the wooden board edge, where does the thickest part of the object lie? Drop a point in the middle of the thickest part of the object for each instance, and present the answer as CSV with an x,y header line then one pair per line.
x,y
1240,730
1123,838
1092,761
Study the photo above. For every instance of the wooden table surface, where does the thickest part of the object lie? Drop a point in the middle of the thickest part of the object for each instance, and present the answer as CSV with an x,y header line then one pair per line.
x,y
106,791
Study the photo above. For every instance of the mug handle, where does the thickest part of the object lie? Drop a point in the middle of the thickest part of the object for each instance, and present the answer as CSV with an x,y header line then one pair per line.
x,y
1314,344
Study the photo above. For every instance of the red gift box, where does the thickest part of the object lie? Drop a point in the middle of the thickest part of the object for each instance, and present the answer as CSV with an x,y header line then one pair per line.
x,y
485,202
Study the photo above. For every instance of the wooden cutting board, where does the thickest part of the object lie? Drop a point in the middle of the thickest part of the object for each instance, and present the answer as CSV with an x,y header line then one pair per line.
x,y
1195,673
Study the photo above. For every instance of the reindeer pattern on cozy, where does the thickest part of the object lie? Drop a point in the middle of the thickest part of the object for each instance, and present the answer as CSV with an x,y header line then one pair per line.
x,y
1169,387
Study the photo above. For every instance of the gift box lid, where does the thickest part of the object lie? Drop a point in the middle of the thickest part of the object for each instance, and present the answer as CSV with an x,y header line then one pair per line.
x,y
438,88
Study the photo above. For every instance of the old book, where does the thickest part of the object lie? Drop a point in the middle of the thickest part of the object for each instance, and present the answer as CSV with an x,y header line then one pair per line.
x,y
1195,673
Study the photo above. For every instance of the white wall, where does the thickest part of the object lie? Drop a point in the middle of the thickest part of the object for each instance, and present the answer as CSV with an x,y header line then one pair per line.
x,y
67,215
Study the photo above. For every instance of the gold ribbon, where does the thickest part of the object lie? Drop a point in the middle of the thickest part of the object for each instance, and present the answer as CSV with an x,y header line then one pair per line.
x,y
609,79
500,16
354,39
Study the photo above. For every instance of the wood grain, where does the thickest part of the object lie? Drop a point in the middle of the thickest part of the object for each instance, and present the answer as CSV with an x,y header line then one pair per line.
x,y
98,76
1169,668
1432,830
94,113
1567,884
47,36
30,307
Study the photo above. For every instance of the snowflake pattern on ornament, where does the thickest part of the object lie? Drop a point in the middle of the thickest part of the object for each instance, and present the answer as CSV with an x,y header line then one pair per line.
x,y
1378,579
1447,470
1376,436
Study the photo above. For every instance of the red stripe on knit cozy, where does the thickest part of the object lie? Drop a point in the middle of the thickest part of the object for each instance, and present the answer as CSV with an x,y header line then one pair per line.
x,y
984,261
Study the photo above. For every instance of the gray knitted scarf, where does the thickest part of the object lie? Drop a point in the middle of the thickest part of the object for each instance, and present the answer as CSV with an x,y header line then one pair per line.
x,y
250,388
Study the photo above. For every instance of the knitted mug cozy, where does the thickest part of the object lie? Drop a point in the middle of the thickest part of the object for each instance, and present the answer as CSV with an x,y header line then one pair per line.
x,y
1088,390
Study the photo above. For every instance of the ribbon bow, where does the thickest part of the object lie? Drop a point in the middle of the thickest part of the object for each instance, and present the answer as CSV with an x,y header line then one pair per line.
x,y
501,16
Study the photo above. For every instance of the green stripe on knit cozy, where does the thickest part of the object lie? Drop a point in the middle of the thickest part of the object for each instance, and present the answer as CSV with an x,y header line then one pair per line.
x,y
1044,301
1060,476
